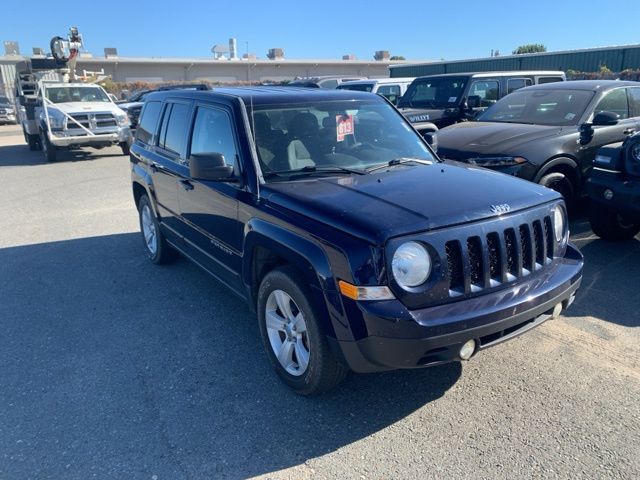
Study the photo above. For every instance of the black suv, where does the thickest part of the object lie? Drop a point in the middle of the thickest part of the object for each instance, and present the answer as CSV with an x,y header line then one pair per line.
x,y
614,188
328,213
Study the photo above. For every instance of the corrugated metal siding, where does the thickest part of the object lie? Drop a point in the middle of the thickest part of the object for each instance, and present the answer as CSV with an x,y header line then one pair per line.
x,y
615,58
7,79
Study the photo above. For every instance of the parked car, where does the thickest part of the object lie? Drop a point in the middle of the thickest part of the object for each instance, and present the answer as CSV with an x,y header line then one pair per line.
x,y
133,106
390,88
548,134
614,188
437,101
332,218
7,111
327,81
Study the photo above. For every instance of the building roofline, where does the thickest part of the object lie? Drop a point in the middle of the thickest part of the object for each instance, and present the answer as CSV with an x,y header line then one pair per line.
x,y
538,54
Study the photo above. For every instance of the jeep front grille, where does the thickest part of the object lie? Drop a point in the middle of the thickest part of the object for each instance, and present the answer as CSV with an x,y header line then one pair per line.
x,y
480,262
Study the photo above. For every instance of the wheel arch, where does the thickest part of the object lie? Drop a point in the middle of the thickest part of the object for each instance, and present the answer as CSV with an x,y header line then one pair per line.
x,y
268,246
562,164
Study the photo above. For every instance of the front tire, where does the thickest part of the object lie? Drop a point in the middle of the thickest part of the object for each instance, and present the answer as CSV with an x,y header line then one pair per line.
x,y
607,223
33,141
296,346
155,245
50,151
560,183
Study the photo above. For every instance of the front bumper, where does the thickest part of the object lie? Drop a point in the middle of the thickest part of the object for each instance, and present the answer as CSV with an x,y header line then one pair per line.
x,y
101,137
626,193
401,338
8,118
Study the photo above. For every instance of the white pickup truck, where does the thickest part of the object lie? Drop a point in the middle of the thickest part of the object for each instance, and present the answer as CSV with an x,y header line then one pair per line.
x,y
74,115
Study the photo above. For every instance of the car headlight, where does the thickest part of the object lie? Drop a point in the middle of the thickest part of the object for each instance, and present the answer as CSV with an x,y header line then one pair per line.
x,y
411,265
559,224
497,161
56,118
122,119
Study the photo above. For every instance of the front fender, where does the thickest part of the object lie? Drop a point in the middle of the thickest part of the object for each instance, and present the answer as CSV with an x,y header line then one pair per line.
x,y
310,259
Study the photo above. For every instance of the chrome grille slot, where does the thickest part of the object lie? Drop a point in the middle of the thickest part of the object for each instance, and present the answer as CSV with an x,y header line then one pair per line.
x,y
495,263
454,268
548,235
474,249
525,249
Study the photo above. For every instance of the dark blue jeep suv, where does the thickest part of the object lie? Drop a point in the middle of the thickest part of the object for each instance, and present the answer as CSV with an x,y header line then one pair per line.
x,y
358,248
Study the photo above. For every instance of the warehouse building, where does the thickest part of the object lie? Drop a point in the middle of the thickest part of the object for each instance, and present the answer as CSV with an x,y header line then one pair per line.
x,y
615,59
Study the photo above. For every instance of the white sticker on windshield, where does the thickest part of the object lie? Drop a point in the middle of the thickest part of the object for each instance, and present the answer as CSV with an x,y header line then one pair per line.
x,y
569,116
452,99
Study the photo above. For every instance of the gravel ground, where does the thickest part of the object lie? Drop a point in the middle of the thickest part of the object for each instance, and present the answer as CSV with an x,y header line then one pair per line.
x,y
111,367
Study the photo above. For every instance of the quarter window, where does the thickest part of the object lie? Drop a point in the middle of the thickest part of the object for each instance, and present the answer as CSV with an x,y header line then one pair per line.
x,y
213,133
148,122
614,102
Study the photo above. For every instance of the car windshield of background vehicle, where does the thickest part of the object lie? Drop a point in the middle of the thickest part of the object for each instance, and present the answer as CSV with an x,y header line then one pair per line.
x,y
76,94
434,93
540,107
343,135
360,87
4,100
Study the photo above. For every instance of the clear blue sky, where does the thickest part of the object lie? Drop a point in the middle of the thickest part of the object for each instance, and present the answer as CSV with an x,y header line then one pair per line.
x,y
423,30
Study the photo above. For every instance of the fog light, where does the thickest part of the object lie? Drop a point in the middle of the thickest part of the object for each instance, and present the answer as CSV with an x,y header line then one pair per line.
x,y
608,194
467,350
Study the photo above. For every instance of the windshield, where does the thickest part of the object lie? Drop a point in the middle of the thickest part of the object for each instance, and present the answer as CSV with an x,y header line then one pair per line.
x,y
4,100
360,87
344,135
436,92
540,107
76,94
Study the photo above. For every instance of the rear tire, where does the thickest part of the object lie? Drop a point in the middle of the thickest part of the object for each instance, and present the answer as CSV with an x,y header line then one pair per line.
x,y
50,151
607,223
294,342
125,148
155,245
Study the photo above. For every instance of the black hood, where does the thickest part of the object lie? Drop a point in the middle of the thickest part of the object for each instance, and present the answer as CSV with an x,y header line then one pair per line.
x,y
405,199
487,138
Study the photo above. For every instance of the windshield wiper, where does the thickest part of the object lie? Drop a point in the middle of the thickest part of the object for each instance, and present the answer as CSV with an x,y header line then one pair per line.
x,y
311,169
399,161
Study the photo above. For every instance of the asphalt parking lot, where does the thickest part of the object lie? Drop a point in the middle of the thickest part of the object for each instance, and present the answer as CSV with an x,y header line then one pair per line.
x,y
111,367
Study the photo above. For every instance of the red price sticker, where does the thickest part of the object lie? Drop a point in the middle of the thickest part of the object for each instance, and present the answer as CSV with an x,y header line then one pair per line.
x,y
344,126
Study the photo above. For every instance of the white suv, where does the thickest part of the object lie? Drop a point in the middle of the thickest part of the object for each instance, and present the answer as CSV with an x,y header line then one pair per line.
x,y
391,88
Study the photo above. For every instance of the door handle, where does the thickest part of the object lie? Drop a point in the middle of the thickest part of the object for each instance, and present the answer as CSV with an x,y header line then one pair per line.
x,y
186,184
629,131
153,167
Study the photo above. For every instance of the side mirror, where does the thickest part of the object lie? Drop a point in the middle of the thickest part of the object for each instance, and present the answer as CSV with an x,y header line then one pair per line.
x,y
586,133
432,140
474,101
605,118
210,166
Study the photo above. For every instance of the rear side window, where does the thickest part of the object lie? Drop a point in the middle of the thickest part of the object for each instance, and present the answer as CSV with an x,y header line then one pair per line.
x,y
614,102
514,84
634,96
148,122
550,79
213,133
175,124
